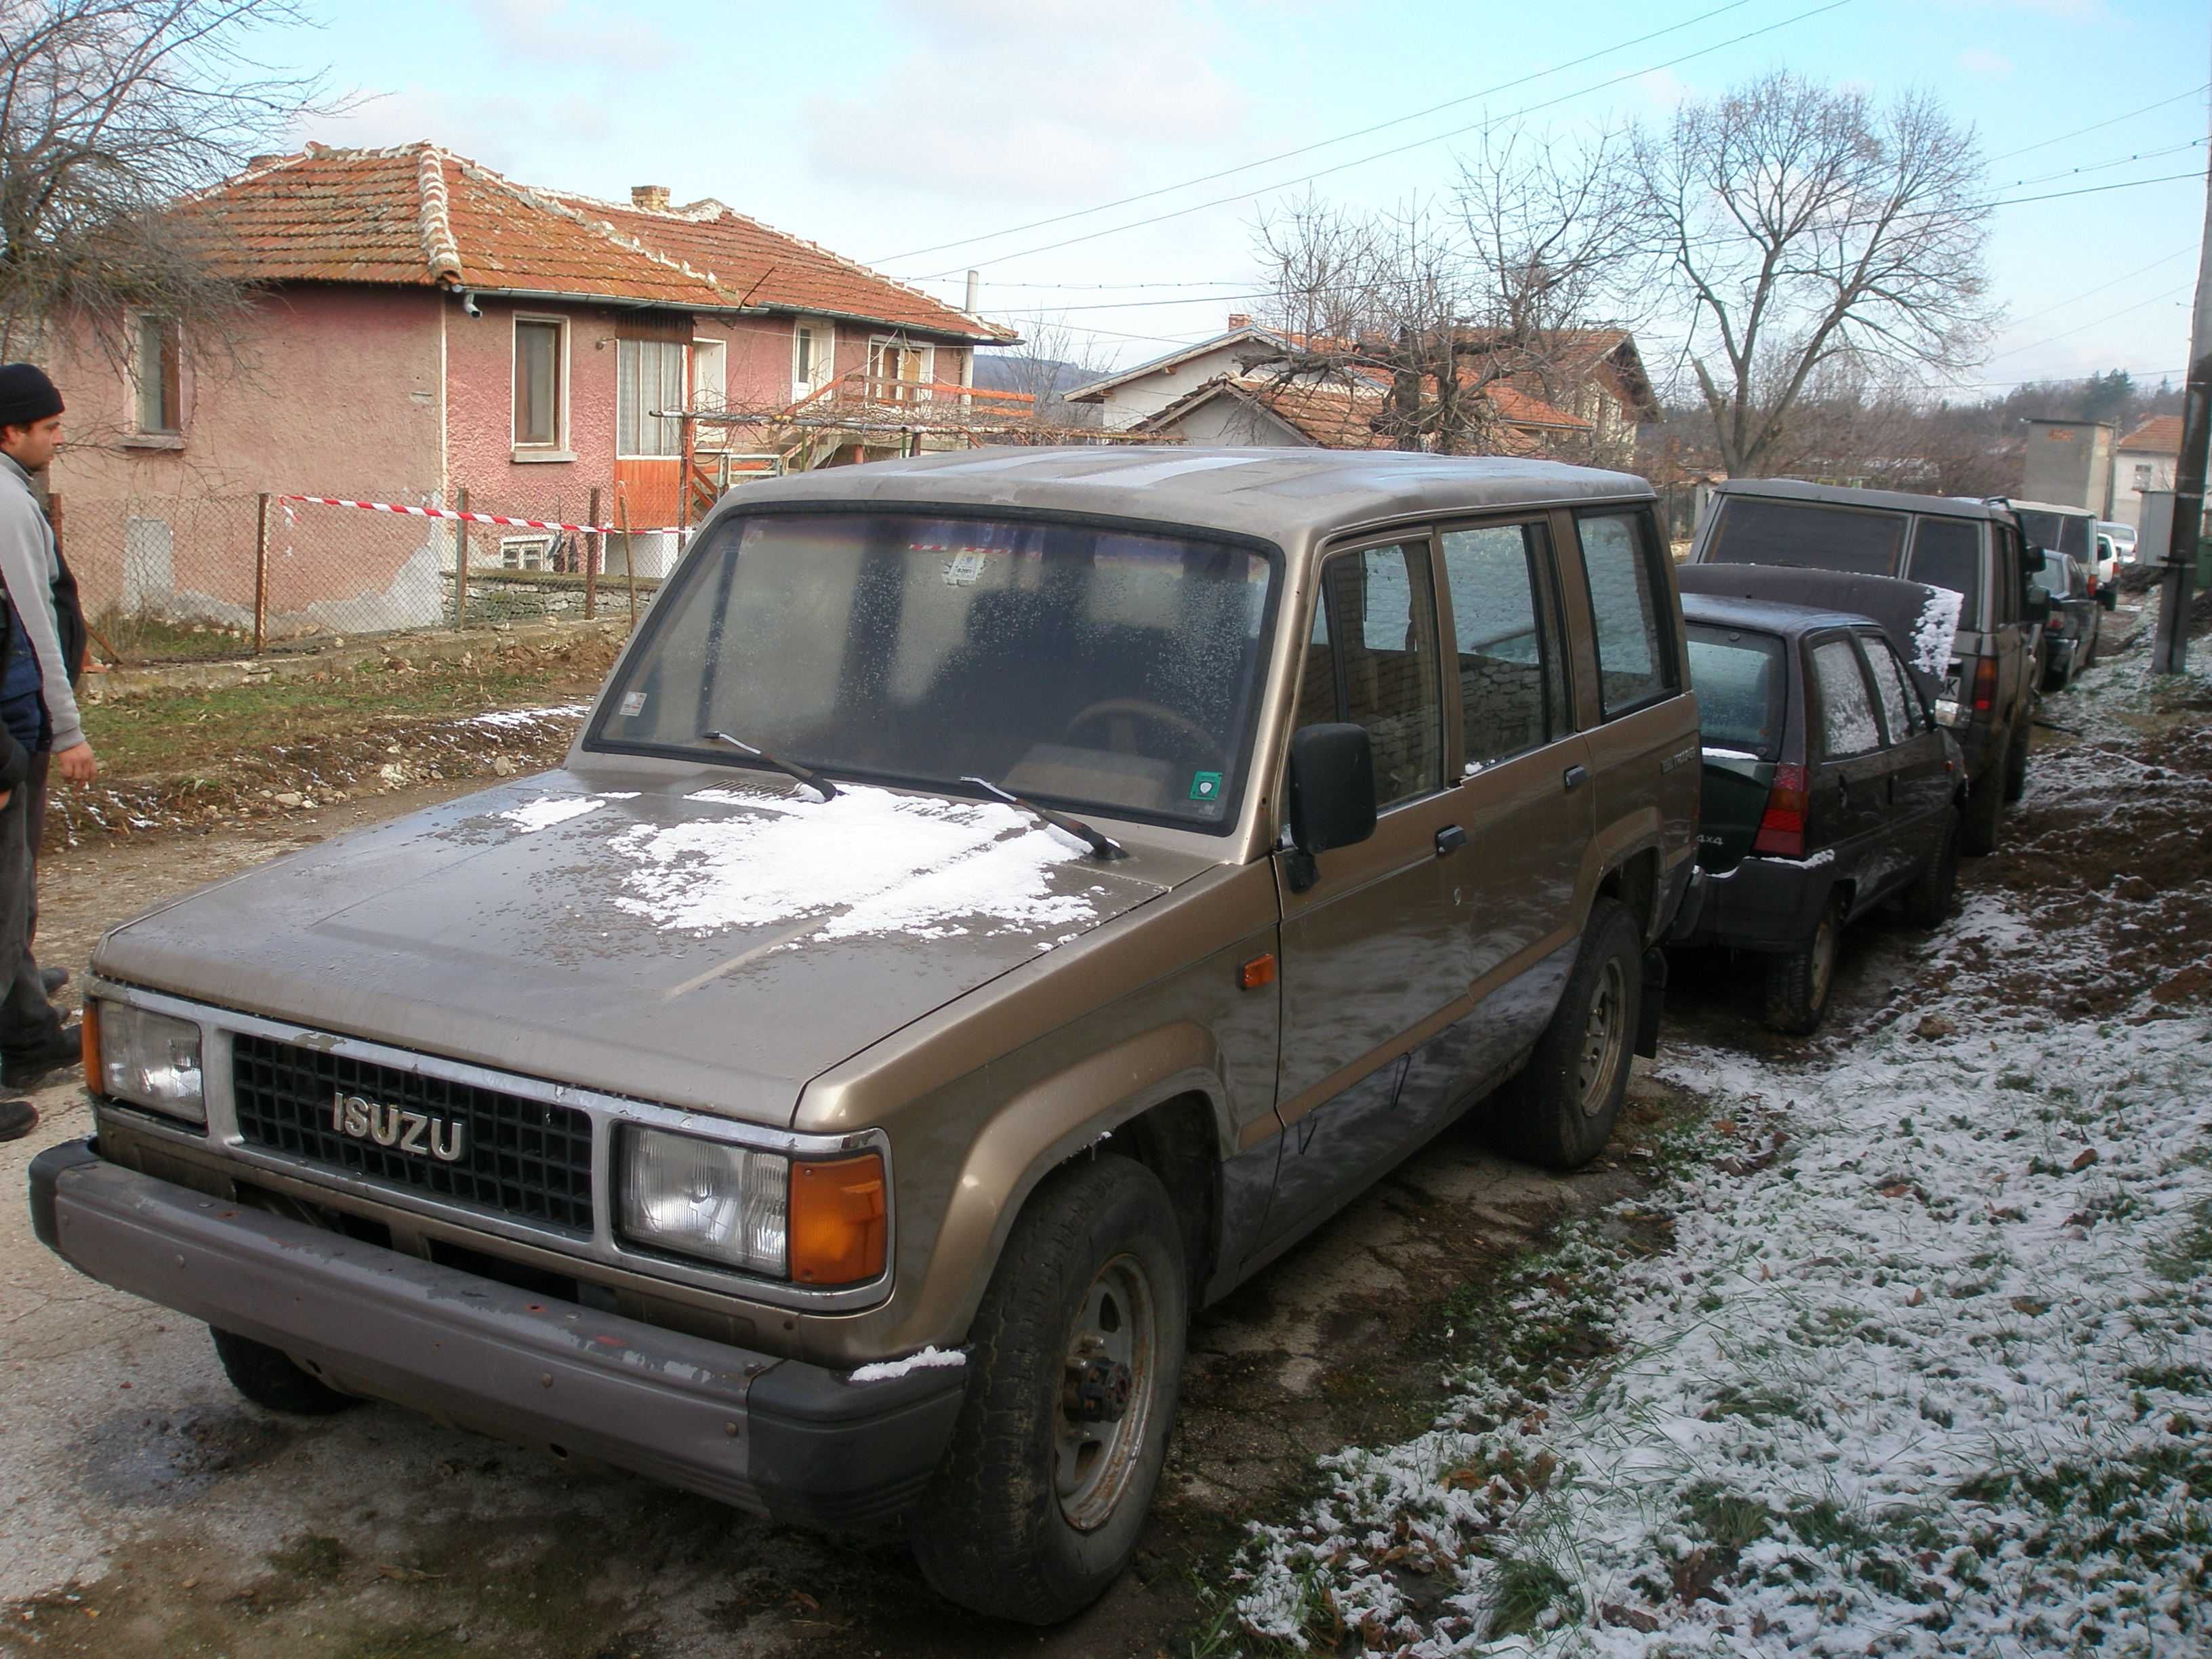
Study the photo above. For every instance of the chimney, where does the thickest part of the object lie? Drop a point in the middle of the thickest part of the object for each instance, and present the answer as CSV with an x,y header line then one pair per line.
x,y
1239,319
653,198
974,292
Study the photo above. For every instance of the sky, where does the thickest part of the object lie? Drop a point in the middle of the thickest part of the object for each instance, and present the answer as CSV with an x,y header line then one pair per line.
x,y
929,139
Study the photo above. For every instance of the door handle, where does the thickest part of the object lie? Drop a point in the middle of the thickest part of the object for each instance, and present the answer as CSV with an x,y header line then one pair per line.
x,y
1576,777
1451,839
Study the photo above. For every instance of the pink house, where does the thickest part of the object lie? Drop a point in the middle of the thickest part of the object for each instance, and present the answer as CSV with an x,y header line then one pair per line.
x,y
422,324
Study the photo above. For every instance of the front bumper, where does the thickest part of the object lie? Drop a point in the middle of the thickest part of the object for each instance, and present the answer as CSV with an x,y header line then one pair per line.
x,y
1761,904
796,1442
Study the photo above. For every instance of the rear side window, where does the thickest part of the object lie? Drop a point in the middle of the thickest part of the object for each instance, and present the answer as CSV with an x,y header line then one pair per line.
x,y
1948,553
1846,708
1372,660
1635,646
1807,535
1739,678
1512,685
1900,709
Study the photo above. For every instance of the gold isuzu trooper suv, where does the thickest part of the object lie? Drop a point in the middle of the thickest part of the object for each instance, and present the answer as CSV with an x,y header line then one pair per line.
x,y
1000,901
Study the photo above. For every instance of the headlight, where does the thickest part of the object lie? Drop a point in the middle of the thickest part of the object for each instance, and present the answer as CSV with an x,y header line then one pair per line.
x,y
149,1060
706,1198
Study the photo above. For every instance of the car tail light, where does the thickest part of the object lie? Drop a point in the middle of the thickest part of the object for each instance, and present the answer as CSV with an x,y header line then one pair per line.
x,y
1985,685
1782,827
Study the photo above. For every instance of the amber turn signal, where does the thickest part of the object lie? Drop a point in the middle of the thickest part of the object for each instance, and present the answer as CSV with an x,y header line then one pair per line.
x,y
840,1220
1261,970
89,1034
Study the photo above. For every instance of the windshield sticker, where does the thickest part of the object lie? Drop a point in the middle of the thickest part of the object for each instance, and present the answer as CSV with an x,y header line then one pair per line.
x,y
962,570
633,704
1206,786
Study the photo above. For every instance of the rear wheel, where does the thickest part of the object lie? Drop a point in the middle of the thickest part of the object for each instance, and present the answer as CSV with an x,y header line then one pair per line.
x,y
1928,901
1559,1110
1983,816
1797,985
268,1377
2015,772
1074,1364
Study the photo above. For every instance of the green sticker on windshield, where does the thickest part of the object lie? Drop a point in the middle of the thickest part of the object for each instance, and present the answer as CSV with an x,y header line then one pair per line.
x,y
1206,786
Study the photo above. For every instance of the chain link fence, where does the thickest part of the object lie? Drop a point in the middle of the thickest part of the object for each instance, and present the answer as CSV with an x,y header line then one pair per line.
x,y
176,578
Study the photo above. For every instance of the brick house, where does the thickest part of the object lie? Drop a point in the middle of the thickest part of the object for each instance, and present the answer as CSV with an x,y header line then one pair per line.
x,y
422,324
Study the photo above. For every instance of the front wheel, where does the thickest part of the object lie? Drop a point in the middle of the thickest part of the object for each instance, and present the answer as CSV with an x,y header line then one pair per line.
x,y
268,1377
1074,1363
1798,984
1560,1110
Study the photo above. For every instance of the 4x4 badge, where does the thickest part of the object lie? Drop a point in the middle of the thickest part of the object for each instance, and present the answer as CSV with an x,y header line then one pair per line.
x,y
418,1132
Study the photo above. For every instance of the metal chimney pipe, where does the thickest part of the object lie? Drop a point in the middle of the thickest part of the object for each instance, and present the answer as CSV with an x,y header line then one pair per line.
x,y
974,292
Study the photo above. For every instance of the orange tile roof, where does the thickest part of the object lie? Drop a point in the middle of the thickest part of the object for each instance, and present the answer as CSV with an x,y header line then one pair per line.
x,y
1337,416
2160,436
422,216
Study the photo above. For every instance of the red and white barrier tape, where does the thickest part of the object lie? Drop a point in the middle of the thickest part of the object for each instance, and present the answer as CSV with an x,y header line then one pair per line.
x,y
485,517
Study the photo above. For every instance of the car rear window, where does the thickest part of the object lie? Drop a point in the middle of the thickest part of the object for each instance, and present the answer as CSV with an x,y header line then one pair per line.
x,y
1948,553
1738,678
2062,533
1807,535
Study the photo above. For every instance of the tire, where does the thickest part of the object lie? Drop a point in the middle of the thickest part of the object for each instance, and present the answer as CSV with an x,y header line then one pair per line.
x,y
1558,1110
1798,985
1020,1523
1983,816
1934,890
268,1377
2016,771
2096,638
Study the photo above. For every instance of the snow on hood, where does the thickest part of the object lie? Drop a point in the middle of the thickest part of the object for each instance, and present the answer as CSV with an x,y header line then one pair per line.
x,y
1937,632
868,861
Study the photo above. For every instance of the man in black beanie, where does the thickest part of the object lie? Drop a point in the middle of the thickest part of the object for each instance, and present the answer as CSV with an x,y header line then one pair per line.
x,y
39,713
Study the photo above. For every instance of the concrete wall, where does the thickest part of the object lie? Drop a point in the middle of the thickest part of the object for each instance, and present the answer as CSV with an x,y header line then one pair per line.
x,y
1131,402
2134,472
1230,421
2070,464
324,392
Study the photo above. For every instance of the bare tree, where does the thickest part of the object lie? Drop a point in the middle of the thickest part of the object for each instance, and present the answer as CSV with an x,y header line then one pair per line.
x,y
1805,229
1053,359
110,111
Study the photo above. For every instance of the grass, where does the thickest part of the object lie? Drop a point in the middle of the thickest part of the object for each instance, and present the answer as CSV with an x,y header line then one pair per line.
x,y
147,638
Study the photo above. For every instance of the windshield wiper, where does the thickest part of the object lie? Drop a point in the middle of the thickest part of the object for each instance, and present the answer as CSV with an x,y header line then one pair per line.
x,y
821,786
1100,846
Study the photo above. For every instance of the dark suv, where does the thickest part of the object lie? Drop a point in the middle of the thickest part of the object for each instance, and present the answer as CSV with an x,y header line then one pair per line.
x,y
1986,668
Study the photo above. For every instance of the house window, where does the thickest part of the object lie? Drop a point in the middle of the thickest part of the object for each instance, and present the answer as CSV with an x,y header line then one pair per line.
x,y
710,383
813,348
898,372
648,381
2142,475
540,359
157,367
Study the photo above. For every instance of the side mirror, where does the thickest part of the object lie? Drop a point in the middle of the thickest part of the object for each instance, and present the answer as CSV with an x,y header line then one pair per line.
x,y
2035,606
1332,789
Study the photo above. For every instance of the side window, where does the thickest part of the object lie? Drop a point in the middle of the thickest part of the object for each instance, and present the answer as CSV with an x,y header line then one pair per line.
x,y
1512,683
1635,647
1948,553
2004,591
1847,724
1372,660
1900,708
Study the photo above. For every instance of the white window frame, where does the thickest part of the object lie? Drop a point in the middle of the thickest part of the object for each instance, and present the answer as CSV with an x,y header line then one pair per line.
x,y
825,335
168,436
558,449
527,552
876,342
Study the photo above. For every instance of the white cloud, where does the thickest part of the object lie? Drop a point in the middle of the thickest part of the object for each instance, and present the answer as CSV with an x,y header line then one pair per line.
x,y
1030,100
573,35
1975,61
504,130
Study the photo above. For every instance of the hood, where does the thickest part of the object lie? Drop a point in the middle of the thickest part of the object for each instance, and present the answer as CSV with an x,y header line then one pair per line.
x,y
714,942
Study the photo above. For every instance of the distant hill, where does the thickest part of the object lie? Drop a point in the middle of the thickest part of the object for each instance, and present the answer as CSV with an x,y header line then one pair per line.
x,y
1005,371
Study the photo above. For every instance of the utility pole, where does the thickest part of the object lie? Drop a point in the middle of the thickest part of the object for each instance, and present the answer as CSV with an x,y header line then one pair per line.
x,y
2170,649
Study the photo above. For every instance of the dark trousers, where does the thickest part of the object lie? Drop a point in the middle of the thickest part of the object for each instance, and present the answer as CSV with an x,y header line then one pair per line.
x,y
34,826
27,1020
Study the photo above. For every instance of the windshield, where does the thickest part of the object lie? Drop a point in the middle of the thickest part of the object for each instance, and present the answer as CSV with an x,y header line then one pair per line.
x,y
1063,662
2062,533
1738,678
1807,535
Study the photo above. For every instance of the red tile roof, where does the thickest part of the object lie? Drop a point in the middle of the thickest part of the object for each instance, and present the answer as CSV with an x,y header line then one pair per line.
x,y
419,215
2159,435
1337,416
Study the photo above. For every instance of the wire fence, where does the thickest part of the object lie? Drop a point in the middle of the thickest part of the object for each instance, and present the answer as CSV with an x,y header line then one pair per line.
x,y
175,579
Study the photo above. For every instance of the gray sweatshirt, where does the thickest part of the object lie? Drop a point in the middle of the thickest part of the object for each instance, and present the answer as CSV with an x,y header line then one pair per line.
x,y
29,566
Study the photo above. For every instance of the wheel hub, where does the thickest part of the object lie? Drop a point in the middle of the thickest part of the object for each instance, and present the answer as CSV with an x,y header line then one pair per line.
x,y
1102,1389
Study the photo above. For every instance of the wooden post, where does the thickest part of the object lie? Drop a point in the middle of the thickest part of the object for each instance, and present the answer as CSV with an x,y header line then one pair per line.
x,y
461,559
629,550
592,540
261,573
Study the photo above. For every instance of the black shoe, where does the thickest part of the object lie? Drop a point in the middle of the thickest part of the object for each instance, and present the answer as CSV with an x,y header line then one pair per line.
x,y
17,1119
22,1067
53,979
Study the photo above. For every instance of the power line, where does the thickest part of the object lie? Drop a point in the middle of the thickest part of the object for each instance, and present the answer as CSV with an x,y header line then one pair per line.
x,y
2090,292
2043,143
2013,351
1418,144
1322,143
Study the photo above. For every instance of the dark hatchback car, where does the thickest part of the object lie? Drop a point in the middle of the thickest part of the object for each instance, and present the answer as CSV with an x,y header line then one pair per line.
x,y
1828,789
2070,634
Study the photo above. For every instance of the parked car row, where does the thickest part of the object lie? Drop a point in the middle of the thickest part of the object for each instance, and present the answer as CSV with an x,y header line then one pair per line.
x,y
998,903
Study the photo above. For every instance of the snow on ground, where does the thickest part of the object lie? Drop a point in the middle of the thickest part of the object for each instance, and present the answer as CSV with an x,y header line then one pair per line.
x,y
1913,1356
